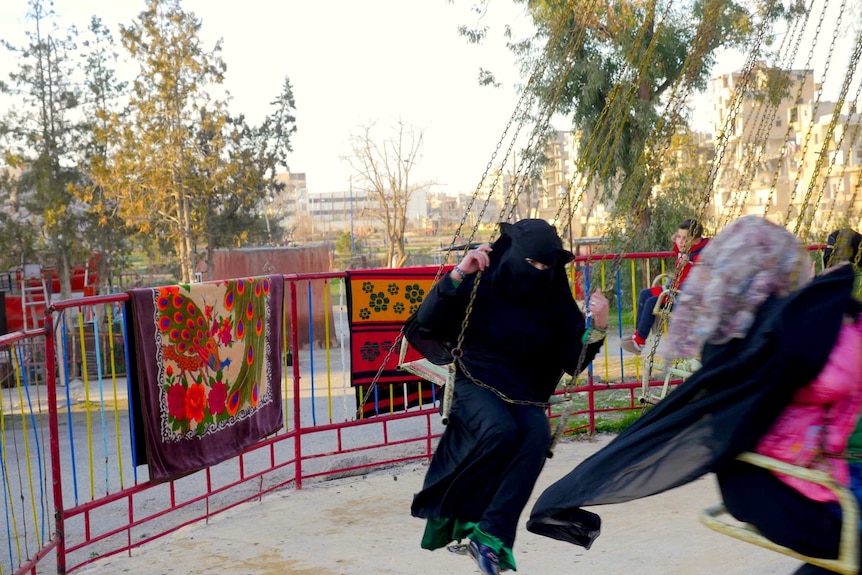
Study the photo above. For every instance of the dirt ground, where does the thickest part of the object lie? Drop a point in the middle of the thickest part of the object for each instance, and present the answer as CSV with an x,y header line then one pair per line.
x,y
363,525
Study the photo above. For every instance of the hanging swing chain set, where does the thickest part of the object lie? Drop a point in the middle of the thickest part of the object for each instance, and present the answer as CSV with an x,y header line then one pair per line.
x,y
639,182
674,106
803,223
638,201
558,85
814,112
765,112
525,101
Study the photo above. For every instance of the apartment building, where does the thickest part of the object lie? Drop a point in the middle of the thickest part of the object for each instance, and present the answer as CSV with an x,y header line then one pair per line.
x,y
563,182
826,156
756,127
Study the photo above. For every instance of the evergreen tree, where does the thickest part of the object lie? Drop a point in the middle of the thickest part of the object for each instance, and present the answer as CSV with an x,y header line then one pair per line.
x,y
171,97
42,130
238,169
104,231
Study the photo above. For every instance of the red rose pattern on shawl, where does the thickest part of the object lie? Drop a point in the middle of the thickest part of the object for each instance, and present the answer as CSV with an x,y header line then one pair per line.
x,y
213,341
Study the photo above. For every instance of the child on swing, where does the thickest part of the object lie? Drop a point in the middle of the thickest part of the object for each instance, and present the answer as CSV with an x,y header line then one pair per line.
x,y
688,242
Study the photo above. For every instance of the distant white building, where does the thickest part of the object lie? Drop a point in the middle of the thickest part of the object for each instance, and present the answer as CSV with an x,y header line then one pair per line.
x,y
321,215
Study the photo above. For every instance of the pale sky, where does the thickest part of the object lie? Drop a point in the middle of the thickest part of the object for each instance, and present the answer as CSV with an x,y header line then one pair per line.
x,y
357,61
349,62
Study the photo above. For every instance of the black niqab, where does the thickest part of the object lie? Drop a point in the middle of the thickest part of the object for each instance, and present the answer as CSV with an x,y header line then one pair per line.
x,y
536,240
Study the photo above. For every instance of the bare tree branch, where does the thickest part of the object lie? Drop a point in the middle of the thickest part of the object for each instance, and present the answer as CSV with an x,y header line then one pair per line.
x,y
383,167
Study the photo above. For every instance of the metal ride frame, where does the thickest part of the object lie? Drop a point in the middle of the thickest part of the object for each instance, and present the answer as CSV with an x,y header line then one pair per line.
x,y
847,561
81,496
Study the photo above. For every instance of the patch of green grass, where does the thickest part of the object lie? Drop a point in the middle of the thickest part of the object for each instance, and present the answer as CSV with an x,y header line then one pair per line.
x,y
627,317
611,398
609,422
617,424
606,421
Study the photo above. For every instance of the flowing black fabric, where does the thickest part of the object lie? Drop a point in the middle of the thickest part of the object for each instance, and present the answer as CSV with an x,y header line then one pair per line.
x,y
719,412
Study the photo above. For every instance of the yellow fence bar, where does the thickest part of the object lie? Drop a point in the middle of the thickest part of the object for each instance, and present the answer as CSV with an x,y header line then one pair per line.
x,y
607,354
110,316
26,439
85,376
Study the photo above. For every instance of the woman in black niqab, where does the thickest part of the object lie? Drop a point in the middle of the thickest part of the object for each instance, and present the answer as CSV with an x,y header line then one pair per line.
x,y
523,332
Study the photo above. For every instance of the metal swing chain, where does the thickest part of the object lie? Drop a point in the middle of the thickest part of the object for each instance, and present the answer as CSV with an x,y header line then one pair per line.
x,y
854,132
765,114
661,141
526,98
857,52
814,112
780,163
638,201
626,95
457,352
707,193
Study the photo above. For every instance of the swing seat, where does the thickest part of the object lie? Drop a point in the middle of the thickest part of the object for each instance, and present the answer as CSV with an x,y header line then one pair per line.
x,y
664,280
437,374
441,375
681,369
847,561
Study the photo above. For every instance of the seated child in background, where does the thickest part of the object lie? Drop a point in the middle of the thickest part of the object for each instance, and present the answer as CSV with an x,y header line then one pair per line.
x,y
688,242
845,245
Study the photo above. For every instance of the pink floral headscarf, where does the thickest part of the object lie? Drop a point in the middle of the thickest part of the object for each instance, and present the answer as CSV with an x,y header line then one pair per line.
x,y
750,260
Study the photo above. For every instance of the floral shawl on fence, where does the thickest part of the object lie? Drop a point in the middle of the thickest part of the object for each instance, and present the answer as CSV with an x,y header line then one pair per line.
x,y
208,366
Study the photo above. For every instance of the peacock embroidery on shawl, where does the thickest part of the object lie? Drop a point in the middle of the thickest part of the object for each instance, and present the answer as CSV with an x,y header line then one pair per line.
x,y
214,348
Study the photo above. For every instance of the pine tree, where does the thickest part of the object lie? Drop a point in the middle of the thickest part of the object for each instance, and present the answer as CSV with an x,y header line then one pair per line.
x,y
43,130
104,230
171,97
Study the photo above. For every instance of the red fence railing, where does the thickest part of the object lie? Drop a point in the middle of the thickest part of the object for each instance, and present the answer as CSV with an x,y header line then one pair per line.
x,y
74,491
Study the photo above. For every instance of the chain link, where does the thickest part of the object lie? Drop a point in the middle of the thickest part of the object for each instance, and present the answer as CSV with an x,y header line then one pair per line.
x,y
814,112
801,225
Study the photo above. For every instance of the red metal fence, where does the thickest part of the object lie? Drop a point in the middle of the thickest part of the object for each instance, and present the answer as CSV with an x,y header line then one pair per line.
x,y
74,491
